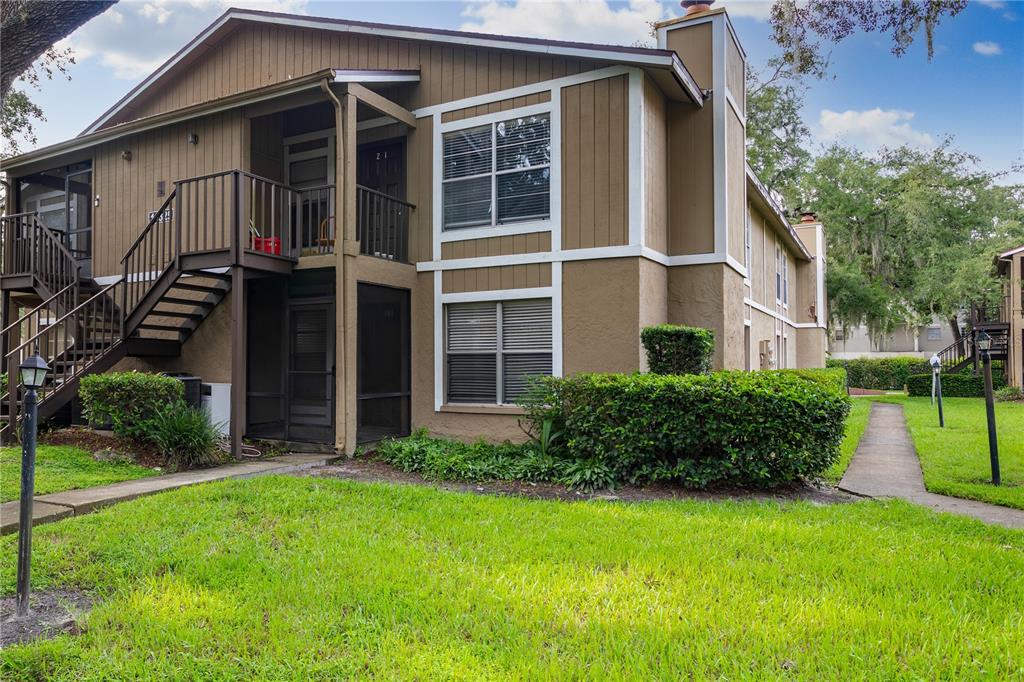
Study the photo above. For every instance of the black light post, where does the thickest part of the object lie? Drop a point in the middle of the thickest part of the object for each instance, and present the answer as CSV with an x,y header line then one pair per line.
x,y
984,342
936,364
33,374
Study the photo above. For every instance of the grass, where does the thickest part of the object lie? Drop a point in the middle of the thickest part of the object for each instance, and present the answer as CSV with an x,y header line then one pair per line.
x,y
856,422
309,578
955,459
62,467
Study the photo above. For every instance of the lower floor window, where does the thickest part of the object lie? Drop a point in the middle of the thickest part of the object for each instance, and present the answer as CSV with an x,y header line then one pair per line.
x,y
492,348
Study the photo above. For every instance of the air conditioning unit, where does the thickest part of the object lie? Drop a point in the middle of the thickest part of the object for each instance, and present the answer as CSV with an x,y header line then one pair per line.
x,y
216,401
192,387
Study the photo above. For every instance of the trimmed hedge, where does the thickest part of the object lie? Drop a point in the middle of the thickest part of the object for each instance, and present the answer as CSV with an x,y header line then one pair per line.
x,y
953,385
127,399
674,349
831,377
758,429
880,374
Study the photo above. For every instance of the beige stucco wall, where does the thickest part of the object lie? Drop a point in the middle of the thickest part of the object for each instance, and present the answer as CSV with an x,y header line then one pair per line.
x,y
710,296
601,316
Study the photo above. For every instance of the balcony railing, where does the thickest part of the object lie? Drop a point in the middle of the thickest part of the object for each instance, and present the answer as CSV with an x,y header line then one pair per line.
x,y
30,248
382,225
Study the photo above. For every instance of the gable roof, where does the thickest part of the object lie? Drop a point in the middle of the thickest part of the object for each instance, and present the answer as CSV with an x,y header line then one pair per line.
x,y
663,60
774,214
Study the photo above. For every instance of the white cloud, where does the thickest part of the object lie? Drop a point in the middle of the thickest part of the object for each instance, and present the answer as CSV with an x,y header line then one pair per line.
x,y
994,4
872,128
134,38
751,9
988,48
580,20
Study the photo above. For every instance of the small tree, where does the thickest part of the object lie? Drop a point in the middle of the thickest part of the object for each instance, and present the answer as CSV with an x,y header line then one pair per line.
x,y
674,349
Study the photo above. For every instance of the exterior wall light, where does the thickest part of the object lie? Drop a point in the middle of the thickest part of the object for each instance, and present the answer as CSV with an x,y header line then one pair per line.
x,y
193,138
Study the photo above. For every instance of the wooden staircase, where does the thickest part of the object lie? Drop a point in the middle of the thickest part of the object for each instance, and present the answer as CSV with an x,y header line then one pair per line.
x,y
174,275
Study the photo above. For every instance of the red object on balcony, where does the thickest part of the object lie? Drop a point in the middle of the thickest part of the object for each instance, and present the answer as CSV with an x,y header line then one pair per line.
x,y
271,245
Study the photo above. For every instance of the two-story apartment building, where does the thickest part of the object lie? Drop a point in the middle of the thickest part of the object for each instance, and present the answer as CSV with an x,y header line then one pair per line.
x,y
363,228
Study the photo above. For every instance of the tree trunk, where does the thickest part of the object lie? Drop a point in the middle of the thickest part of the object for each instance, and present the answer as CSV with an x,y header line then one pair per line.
x,y
29,27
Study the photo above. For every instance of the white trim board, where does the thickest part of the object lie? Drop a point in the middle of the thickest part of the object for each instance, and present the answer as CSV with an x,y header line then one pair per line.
x,y
497,295
595,253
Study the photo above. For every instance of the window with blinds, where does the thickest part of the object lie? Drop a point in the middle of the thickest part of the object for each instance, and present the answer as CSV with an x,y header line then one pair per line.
x,y
492,348
497,173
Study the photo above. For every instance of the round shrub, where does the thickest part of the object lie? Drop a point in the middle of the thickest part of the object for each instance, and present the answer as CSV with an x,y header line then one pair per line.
x,y
674,349
127,399
757,429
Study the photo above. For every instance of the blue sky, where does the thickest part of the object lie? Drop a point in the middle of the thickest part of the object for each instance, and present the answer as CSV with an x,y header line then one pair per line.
x,y
973,89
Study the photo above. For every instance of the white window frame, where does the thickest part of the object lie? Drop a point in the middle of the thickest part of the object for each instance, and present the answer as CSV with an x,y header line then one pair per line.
x,y
785,280
328,151
496,229
747,246
499,351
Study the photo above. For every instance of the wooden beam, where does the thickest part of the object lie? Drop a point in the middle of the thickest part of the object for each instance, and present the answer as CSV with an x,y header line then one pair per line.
x,y
381,104
238,360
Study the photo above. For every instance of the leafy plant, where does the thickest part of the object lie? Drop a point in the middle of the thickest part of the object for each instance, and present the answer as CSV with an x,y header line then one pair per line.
x,y
1008,394
127,399
881,374
185,435
675,349
739,428
954,385
588,475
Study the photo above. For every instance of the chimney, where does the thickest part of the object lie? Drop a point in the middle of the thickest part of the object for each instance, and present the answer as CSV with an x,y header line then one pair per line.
x,y
696,6
808,217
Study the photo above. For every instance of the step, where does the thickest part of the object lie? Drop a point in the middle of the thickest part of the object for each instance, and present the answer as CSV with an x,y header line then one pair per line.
x,y
174,313
211,289
200,302
160,327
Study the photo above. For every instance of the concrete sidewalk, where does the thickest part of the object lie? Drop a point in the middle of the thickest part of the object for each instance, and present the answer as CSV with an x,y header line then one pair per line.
x,y
56,506
886,465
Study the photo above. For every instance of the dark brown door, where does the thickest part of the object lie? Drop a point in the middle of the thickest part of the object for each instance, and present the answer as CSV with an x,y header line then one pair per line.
x,y
383,372
381,167
311,371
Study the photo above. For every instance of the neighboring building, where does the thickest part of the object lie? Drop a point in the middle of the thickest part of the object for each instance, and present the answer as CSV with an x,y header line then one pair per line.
x,y
356,229
1008,333
857,342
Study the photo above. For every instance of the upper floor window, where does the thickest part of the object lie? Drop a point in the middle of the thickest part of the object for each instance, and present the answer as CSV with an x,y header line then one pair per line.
x,y
746,243
498,173
785,279
778,274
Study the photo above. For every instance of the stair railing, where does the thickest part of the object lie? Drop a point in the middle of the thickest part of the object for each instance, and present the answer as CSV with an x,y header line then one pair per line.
x,y
148,256
31,248
45,313
73,341
955,353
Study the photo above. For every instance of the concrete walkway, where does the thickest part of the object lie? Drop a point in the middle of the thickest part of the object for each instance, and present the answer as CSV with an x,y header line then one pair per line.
x,y
886,465
56,506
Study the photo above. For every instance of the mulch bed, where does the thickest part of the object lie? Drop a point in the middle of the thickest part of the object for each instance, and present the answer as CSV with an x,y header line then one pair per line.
x,y
865,391
369,470
50,614
86,439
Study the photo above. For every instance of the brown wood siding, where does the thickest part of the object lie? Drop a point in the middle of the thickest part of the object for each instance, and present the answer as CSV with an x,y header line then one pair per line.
x,y
503,277
420,190
127,189
655,168
693,45
497,246
595,177
495,107
691,160
734,68
256,55
736,183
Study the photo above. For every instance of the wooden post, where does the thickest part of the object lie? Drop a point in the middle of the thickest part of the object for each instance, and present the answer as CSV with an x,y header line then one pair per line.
x,y
238,359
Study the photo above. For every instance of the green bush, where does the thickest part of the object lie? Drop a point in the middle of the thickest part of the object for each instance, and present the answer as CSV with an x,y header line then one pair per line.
x,y
3,383
673,349
880,374
954,385
739,428
439,459
1009,394
832,377
183,434
127,399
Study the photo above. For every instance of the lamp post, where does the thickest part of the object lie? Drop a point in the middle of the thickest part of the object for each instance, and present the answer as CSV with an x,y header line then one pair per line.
x,y
984,342
33,373
936,364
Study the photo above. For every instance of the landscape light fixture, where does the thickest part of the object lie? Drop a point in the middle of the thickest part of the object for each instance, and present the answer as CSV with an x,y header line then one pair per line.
x,y
936,364
984,344
33,375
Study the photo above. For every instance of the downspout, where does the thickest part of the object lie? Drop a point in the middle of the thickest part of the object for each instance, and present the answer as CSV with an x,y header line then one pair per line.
x,y
341,379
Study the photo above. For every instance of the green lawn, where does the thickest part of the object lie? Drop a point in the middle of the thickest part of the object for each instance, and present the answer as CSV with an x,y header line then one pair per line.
x,y
856,422
61,467
955,459
305,578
